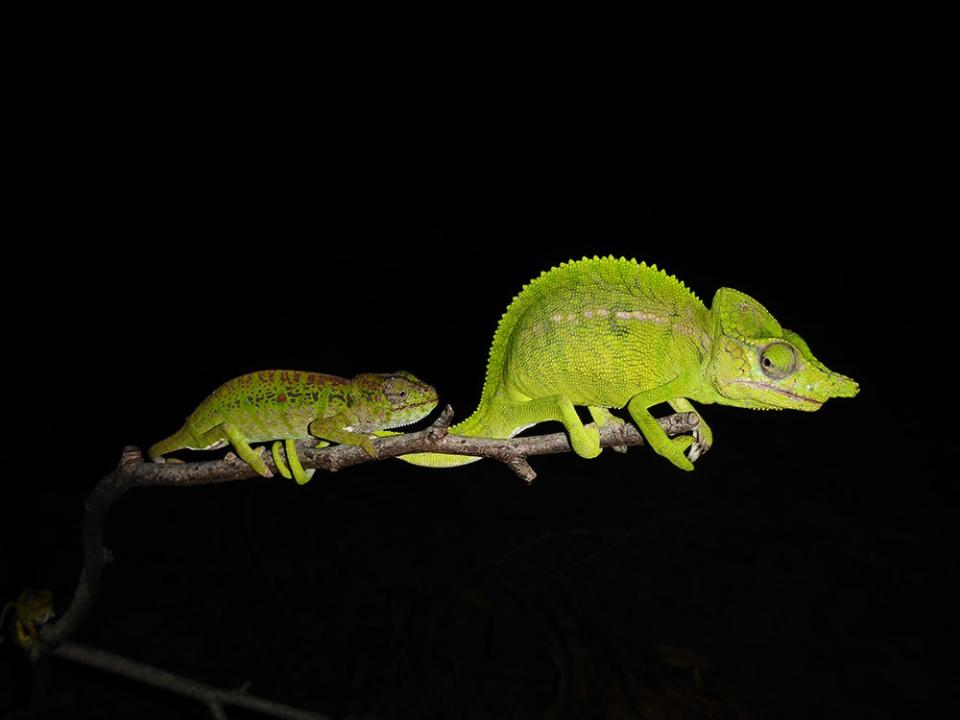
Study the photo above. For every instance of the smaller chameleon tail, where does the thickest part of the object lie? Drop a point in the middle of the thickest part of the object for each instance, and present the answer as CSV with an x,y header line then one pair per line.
x,y
179,440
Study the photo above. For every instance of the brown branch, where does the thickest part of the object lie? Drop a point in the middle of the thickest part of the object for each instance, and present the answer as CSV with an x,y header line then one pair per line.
x,y
133,472
130,472
214,698
512,452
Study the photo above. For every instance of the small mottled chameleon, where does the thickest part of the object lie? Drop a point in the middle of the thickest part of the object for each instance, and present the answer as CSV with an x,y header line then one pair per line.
x,y
290,405
31,610
607,333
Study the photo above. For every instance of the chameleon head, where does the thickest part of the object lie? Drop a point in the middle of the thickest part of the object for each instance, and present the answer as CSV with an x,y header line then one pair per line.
x,y
755,363
404,398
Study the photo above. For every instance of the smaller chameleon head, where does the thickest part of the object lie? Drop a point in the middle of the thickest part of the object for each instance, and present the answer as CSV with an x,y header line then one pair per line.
x,y
403,398
755,363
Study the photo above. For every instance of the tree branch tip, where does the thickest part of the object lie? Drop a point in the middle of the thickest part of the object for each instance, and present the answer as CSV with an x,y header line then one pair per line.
x,y
438,429
522,468
444,418
131,455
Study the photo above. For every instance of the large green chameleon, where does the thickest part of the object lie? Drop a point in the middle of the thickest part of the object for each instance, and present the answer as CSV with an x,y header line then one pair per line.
x,y
608,333
292,405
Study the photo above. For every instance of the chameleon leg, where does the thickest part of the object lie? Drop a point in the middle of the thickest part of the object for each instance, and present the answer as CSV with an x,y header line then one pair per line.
x,y
226,431
26,634
585,440
601,416
278,460
299,473
181,439
702,434
332,428
670,448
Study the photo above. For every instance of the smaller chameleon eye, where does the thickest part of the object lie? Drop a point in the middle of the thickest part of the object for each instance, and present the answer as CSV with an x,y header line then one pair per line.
x,y
396,390
777,360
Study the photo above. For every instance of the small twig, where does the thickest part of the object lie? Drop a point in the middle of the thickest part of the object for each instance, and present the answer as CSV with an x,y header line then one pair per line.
x,y
214,698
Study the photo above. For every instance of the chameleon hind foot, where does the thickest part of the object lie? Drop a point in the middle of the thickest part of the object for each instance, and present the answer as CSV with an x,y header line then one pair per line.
x,y
585,441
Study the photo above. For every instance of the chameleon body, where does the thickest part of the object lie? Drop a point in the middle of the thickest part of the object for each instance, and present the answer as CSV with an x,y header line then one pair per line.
x,y
290,405
31,610
612,333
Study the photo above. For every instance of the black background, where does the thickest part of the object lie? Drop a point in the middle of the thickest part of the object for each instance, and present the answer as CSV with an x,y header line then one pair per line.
x,y
160,252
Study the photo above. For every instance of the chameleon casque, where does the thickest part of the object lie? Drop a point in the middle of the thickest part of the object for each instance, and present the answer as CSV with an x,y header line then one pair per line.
x,y
607,333
292,405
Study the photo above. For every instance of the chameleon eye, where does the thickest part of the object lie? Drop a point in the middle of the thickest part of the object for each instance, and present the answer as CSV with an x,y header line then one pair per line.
x,y
396,391
777,360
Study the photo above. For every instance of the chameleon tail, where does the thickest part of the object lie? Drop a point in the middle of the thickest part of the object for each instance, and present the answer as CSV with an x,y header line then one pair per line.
x,y
438,460
473,426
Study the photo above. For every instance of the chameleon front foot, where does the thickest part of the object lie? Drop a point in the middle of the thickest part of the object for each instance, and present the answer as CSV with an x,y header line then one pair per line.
x,y
369,448
672,449
333,429
585,441
702,434
603,418
699,446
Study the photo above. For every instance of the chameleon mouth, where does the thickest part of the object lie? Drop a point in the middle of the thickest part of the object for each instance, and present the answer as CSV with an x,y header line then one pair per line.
x,y
781,391
419,416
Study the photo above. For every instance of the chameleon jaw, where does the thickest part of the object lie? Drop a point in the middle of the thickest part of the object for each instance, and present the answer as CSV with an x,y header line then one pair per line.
x,y
416,417
787,393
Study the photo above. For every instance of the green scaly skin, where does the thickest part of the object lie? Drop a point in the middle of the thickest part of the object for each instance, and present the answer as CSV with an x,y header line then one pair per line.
x,y
290,405
607,333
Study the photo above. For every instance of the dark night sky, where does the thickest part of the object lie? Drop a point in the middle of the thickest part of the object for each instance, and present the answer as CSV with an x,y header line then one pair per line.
x,y
803,559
